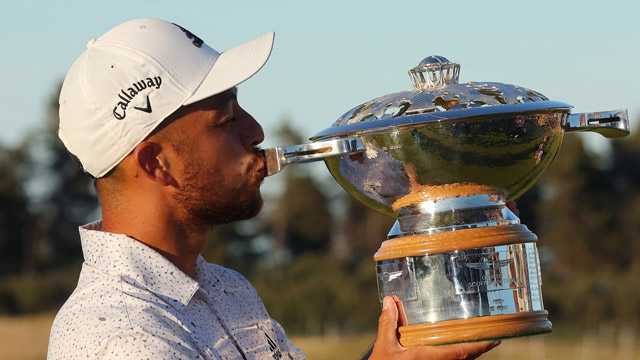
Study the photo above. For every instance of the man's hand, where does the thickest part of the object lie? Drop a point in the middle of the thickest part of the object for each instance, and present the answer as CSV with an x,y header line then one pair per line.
x,y
387,346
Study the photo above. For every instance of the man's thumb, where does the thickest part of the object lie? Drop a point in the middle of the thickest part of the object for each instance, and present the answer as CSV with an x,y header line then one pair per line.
x,y
388,322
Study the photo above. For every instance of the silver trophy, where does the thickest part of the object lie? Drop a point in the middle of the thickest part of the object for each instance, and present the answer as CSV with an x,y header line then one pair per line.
x,y
443,159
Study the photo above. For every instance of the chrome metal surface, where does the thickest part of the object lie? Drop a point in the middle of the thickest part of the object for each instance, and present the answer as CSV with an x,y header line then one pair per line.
x,y
385,124
448,214
433,72
464,284
498,155
443,133
436,89
439,100
280,156
611,124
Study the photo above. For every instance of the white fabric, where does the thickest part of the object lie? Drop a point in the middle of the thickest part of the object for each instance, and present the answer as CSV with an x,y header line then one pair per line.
x,y
132,303
130,79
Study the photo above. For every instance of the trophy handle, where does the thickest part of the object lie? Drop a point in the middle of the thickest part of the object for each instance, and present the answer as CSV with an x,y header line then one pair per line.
x,y
610,124
280,156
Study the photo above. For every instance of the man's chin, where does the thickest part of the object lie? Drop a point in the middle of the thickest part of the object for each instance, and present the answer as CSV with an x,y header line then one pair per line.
x,y
253,208
244,211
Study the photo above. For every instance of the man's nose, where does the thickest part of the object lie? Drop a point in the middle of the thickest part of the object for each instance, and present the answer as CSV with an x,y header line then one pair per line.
x,y
254,134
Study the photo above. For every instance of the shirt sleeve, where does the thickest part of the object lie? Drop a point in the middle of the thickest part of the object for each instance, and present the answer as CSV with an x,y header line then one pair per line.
x,y
288,348
138,344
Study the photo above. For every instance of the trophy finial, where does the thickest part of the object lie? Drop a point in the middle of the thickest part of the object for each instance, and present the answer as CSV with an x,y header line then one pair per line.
x,y
434,72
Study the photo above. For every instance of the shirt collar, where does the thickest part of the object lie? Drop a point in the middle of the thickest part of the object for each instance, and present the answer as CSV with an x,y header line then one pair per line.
x,y
122,255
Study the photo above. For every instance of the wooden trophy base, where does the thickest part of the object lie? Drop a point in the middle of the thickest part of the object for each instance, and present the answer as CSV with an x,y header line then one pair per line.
x,y
475,329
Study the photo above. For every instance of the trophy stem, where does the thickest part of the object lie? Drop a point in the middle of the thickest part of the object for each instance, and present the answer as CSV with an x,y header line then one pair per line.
x,y
430,215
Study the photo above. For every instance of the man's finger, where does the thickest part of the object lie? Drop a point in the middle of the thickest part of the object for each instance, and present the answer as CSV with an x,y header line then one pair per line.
x,y
402,315
388,322
470,350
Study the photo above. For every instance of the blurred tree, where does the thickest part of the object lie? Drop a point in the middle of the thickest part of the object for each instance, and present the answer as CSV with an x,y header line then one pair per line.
x,y
312,285
15,221
301,221
364,231
60,194
625,181
44,197
586,221
237,246
320,294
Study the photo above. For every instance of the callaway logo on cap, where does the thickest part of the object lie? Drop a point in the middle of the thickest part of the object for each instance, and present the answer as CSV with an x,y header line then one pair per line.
x,y
137,74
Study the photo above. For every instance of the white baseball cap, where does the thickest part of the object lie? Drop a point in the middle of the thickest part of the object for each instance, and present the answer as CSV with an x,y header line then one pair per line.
x,y
137,74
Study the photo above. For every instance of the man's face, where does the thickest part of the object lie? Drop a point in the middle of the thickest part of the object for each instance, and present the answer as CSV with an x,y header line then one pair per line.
x,y
222,169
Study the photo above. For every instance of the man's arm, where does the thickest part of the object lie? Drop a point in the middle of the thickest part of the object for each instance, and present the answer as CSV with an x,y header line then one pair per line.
x,y
387,346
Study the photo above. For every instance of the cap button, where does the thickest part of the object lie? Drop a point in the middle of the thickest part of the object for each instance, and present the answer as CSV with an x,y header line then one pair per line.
x,y
91,42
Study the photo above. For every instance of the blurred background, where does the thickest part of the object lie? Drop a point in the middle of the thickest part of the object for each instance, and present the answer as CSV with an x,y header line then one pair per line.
x,y
309,253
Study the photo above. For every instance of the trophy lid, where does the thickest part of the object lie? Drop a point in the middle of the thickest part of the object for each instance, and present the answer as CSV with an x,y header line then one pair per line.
x,y
437,96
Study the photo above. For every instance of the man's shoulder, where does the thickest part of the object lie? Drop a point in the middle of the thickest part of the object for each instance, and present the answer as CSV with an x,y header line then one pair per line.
x,y
90,316
107,309
97,296
228,286
224,278
137,342
226,274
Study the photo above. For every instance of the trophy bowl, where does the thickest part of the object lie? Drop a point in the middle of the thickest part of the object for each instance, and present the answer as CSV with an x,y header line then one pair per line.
x,y
443,159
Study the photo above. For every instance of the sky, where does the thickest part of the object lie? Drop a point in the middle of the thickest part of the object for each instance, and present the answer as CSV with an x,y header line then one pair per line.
x,y
330,56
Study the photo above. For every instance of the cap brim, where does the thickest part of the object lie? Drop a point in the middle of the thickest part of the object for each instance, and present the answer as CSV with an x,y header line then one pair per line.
x,y
234,66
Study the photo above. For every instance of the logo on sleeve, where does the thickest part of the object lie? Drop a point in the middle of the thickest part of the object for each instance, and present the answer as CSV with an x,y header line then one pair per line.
x,y
277,355
127,95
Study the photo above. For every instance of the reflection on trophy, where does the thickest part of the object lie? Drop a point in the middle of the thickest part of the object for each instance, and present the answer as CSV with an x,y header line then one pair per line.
x,y
443,159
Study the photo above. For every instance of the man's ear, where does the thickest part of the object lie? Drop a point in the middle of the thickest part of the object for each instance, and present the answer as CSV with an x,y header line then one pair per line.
x,y
152,162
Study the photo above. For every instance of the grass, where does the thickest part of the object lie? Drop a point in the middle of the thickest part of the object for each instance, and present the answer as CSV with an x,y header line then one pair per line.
x,y
334,347
26,337
593,346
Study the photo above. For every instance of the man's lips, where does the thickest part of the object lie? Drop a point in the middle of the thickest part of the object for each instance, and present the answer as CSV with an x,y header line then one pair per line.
x,y
259,165
262,172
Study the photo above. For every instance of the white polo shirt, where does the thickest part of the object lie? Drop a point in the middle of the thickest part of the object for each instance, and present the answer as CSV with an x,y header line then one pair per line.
x,y
133,303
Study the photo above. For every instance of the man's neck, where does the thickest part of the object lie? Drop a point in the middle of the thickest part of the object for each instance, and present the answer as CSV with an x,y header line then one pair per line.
x,y
179,241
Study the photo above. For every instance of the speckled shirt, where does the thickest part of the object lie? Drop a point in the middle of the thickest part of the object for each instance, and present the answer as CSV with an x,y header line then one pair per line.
x,y
133,303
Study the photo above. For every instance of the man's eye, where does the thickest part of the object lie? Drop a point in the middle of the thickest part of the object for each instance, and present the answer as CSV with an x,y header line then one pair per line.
x,y
226,122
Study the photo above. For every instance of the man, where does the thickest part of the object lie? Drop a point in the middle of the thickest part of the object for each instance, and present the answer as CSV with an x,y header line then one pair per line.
x,y
151,112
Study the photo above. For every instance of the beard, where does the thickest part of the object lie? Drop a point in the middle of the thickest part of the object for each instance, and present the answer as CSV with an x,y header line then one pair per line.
x,y
207,196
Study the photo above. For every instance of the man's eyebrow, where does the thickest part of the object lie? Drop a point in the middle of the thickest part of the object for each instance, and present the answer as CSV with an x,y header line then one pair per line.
x,y
223,98
228,95
231,93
